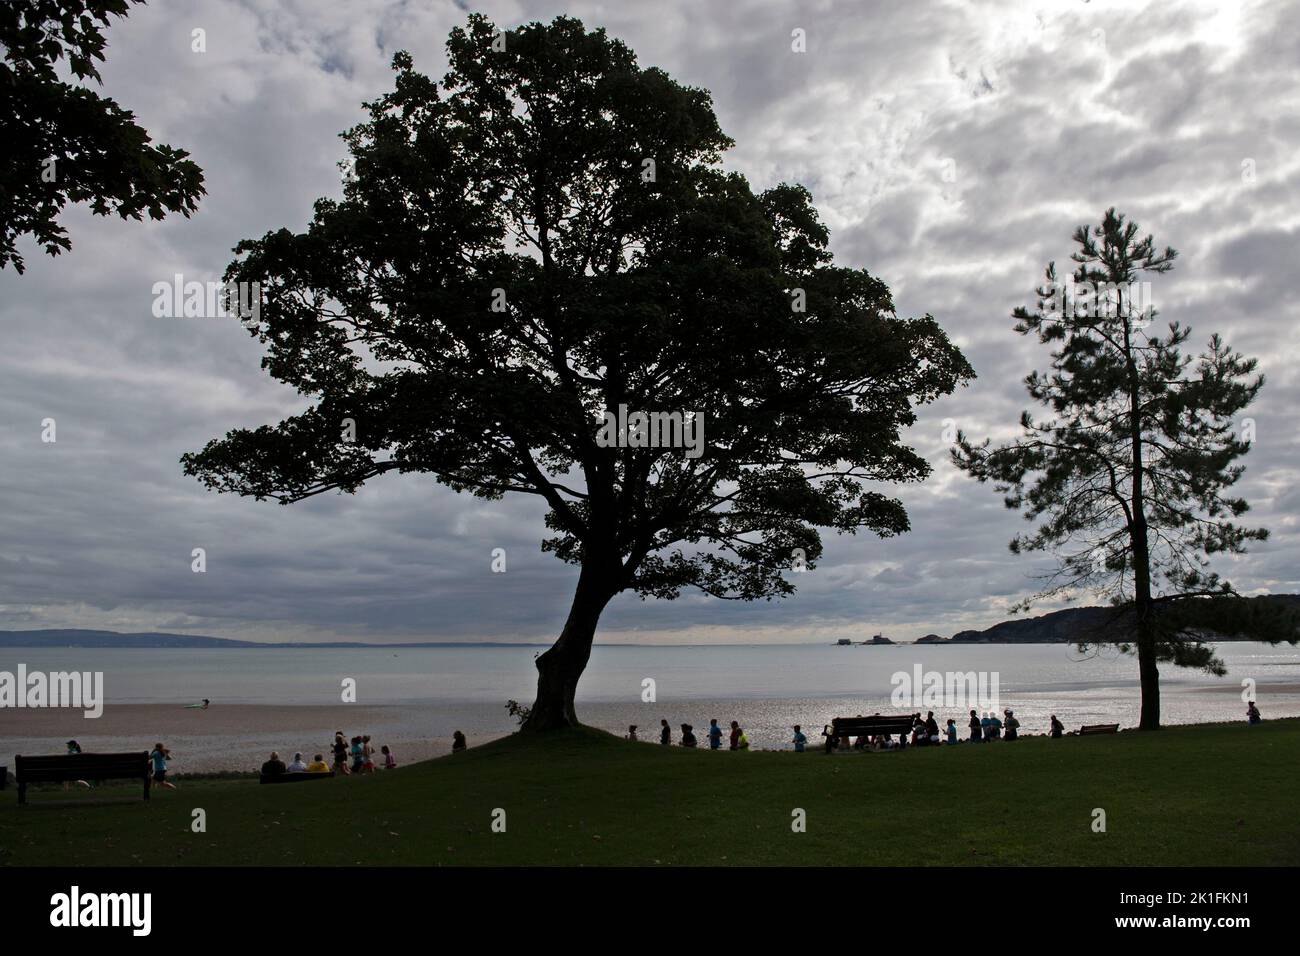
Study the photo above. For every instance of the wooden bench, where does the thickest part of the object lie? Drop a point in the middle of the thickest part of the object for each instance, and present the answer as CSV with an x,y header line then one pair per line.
x,y
1087,729
296,777
69,767
842,728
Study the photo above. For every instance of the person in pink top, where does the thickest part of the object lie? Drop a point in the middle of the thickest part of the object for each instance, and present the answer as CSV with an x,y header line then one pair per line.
x,y
390,762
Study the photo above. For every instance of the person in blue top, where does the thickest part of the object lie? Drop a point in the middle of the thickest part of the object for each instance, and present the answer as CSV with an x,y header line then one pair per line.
x,y
986,726
715,735
800,741
159,757
952,731
995,725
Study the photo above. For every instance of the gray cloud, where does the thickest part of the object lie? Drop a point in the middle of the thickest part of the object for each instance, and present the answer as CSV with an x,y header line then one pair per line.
x,y
1045,113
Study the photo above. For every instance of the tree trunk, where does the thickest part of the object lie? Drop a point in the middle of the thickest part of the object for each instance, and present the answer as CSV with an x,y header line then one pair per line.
x,y
559,668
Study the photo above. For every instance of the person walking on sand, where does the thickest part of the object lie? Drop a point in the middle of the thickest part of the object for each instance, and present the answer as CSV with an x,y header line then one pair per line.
x,y
976,728
298,765
665,733
160,755
390,762
800,740
458,742
715,735
734,740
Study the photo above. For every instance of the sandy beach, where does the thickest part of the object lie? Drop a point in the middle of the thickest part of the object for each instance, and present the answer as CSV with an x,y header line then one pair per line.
x,y
223,737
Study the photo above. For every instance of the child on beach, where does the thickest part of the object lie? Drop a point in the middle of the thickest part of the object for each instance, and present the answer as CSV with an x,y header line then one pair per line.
x,y
368,755
340,753
358,755
800,740
715,735
160,756
390,762
952,731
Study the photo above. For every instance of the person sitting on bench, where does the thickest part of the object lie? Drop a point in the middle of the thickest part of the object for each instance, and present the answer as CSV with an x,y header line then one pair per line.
x,y
298,765
273,767
318,765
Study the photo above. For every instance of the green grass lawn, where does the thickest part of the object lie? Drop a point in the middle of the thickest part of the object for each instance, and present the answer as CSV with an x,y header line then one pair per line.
x,y
1210,795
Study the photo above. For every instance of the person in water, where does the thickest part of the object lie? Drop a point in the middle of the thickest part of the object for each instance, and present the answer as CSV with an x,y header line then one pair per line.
x,y
800,740
665,732
457,742
688,735
1058,728
976,728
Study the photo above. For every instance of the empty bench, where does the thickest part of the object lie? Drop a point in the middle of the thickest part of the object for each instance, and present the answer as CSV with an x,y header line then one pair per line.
x,y
1087,729
69,767
842,728
296,777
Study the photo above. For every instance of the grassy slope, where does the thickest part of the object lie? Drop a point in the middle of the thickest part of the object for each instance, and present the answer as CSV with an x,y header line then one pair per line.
x,y
1214,795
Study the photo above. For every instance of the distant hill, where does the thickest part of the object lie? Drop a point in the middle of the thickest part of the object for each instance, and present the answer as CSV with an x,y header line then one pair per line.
x,y
83,638
1075,624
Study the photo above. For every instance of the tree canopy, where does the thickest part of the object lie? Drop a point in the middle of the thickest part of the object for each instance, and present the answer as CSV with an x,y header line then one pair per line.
x,y
63,142
546,237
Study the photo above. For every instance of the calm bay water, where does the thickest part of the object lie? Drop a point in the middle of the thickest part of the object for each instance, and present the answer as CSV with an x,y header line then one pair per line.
x,y
416,697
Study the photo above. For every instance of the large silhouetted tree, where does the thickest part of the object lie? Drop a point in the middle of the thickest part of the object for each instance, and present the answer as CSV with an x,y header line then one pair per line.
x,y
1129,475
63,142
545,237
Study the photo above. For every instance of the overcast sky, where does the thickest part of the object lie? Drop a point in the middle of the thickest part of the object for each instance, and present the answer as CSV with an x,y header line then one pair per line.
x,y
1042,113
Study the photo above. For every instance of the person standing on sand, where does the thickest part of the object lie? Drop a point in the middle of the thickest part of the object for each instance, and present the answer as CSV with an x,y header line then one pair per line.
x,y
665,732
457,742
976,728
160,756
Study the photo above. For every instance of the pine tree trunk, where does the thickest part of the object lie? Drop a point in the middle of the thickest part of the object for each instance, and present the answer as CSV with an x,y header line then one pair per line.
x,y
560,667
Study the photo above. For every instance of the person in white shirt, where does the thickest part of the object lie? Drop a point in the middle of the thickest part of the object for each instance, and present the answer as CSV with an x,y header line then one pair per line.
x,y
298,766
